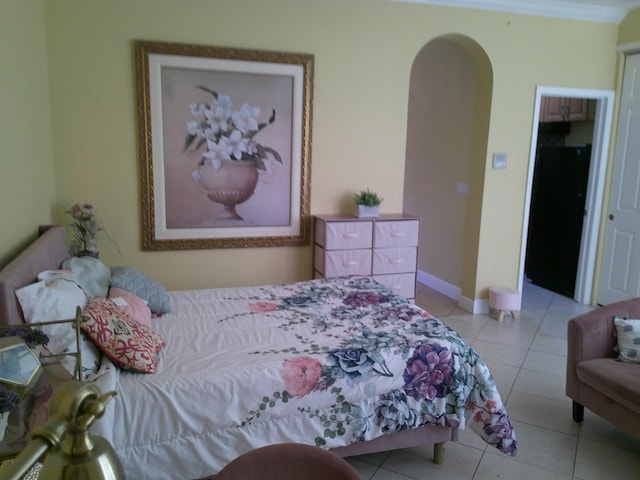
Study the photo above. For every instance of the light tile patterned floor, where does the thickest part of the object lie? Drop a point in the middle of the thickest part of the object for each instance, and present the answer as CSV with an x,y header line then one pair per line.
x,y
527,358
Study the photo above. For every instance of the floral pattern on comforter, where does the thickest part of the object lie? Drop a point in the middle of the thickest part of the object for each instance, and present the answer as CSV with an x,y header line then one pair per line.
x,y
408,368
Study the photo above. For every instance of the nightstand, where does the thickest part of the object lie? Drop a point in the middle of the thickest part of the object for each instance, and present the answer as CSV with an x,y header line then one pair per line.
x,y
385,247
32,409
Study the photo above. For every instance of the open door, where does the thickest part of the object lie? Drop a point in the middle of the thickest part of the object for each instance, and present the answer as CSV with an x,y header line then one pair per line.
x,y
620,273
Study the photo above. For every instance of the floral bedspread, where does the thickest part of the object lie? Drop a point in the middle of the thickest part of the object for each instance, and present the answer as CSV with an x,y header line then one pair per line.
x,y
328,361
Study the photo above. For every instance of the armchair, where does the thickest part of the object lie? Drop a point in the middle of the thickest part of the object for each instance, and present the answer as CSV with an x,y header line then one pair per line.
x,y
595,378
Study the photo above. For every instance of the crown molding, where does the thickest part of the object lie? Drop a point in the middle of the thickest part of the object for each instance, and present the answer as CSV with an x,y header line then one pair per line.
x,y
629,48
543,8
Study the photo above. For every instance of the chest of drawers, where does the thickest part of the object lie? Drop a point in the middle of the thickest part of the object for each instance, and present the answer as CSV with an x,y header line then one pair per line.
x,y
385,247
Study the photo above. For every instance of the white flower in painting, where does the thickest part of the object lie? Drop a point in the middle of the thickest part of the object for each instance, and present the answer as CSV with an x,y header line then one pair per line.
x,y
246,119
216,152
252,148
217,115
228,134
197,109
236,144
193,128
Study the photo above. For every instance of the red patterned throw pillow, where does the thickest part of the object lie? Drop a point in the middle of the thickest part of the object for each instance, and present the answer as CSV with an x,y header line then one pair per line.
x,y
129,344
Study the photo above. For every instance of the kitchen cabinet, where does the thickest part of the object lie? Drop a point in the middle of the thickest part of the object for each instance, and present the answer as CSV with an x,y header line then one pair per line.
x,y
385,247
564,109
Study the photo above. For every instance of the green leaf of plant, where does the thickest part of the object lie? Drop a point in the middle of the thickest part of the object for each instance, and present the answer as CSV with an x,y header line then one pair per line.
x,y
215,94
188,141
260,165
274,153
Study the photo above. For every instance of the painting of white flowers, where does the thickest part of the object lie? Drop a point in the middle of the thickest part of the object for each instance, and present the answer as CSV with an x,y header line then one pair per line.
x,y
224,146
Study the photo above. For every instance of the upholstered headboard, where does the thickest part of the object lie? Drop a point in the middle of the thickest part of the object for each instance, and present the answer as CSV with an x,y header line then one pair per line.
x,y
47,252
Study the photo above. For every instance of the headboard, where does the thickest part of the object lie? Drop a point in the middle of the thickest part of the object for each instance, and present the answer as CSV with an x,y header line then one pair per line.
x,y
47,252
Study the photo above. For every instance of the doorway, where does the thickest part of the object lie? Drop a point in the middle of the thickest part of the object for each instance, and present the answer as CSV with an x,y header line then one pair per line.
x,y
557,208
602,105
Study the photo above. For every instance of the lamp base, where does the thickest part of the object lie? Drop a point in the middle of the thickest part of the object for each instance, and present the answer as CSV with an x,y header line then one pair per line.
x,y
101,463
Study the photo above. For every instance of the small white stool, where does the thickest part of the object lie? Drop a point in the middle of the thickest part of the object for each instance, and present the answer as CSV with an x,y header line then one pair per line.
x,y
504,299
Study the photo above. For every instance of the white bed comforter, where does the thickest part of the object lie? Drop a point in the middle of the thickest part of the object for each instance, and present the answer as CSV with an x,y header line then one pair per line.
x,y
323,362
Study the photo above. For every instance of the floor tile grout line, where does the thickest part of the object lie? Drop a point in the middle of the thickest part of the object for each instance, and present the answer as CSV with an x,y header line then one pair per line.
x,y
544,312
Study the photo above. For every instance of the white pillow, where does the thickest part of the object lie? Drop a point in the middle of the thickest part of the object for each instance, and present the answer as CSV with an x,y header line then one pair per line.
x,y
628,333
56,299
91,358
90,273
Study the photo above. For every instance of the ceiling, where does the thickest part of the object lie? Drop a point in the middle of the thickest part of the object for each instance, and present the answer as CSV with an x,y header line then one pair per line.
x,y
606,11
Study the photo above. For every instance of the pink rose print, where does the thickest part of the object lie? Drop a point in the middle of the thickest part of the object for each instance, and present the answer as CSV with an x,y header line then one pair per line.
x,y
262,307
300,375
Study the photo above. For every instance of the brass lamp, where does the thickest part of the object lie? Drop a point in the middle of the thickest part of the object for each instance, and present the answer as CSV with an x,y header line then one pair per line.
x,y
71,453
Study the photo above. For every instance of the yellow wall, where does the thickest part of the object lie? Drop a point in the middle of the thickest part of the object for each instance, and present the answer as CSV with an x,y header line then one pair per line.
x,y
27,196
363,51
630,28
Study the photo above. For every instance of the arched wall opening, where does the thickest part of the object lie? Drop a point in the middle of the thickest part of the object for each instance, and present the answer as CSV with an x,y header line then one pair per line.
x,y
450,92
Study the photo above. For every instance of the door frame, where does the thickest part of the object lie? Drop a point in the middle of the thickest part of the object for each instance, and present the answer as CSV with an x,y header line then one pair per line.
x,y
595,189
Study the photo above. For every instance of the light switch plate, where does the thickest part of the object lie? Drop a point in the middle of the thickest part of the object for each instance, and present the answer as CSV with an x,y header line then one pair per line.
x,y
499,160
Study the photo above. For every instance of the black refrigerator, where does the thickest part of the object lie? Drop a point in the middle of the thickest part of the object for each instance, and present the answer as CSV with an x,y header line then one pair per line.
x,y
556,216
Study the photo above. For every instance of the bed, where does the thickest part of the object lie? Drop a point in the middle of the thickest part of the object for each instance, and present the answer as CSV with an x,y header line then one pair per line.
x,y
341,363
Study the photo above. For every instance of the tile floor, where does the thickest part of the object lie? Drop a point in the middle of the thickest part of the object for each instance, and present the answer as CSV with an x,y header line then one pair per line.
x,y
527,358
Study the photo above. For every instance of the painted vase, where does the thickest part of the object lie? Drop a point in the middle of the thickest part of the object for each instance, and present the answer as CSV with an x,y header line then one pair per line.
x,y
232,183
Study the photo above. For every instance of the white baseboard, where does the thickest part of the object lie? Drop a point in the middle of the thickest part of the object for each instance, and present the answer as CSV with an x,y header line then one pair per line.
x,y
439,285
453,292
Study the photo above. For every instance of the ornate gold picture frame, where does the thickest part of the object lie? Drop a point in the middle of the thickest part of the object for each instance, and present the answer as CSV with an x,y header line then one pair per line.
x,y
225,146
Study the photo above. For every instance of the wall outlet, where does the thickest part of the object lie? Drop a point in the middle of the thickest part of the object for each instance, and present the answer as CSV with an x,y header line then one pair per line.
x,y
500,160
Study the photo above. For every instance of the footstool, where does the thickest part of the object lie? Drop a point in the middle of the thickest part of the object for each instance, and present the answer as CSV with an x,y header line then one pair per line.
x,y
504,299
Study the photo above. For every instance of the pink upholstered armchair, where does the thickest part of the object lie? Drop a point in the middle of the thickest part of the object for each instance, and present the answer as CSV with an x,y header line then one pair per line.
x,y
290,461
595,378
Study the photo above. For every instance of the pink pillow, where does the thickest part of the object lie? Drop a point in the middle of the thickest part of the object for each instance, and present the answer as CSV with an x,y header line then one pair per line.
x,y
129,344
132,305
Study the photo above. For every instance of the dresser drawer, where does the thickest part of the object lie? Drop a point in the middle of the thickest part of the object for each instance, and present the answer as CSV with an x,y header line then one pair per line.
x,y
336,263
395,260
344,235
396,233
403,283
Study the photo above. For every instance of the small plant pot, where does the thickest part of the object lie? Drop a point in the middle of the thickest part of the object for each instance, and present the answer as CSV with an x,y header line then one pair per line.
x,y
364,211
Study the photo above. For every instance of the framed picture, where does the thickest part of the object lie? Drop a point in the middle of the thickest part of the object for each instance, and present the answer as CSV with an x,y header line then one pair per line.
x,y
225,146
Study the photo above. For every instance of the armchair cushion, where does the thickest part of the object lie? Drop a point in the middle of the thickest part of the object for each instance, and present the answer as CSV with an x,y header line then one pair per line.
x,y
616,380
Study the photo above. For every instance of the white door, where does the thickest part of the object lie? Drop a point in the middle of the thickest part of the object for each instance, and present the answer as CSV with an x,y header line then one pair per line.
x,y
620,275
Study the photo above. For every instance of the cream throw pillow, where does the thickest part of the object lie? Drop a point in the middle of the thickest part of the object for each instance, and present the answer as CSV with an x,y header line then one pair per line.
x,y
628,334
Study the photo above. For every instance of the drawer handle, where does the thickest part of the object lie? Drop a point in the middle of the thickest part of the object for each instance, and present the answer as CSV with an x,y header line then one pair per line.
x,y
351,263
398,234
396,260
350,235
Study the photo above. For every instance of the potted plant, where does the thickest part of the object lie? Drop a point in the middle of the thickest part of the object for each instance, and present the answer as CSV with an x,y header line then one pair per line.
x,y
367,204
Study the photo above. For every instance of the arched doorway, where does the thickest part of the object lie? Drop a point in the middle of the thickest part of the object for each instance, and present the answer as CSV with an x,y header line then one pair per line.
x,y
447,126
